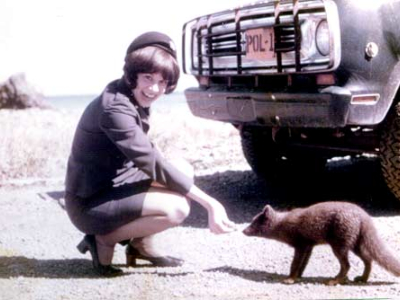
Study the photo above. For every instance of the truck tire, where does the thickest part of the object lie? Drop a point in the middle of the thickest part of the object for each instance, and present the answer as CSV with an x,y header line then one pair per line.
x,y
390,152
260,151
271,160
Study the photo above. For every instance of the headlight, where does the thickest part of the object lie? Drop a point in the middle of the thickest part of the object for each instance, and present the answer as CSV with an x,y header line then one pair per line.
x,y
322,38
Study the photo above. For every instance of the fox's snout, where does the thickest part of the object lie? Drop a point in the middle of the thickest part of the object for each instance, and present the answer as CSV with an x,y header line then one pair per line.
x,y
248,231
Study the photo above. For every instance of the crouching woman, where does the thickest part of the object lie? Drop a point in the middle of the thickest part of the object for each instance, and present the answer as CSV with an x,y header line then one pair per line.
x,y
119,188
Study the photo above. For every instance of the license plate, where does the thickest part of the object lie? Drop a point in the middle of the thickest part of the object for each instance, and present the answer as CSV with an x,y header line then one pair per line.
x,y
260,43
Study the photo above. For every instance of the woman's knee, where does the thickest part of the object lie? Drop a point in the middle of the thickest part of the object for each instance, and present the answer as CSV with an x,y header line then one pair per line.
x,y
173,206
178,210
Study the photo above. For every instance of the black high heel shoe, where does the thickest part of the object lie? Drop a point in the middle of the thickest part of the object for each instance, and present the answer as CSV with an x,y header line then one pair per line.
x,y
89,243
158,261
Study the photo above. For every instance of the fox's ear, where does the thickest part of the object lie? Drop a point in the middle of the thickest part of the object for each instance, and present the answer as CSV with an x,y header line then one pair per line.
x,y
267,209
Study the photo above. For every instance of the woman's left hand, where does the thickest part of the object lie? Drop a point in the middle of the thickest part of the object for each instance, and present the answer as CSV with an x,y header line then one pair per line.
x,y
218,220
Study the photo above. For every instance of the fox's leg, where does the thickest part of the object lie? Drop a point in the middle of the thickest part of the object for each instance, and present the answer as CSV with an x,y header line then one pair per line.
x,y
367,266
305,259
300,260
342,254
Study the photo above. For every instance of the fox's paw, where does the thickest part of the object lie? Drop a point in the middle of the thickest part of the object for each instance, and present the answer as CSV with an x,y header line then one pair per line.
x,y
289,280
360,279
337,281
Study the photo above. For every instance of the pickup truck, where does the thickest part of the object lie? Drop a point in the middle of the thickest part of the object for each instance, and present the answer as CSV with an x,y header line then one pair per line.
x,y
303,80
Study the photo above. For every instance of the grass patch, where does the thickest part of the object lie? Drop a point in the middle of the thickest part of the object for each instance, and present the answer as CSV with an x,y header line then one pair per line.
x,y
36,143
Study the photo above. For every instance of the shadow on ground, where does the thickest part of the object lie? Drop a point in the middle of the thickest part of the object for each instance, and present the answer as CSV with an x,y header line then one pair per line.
x,y
20,266
16,266
243,194
262,276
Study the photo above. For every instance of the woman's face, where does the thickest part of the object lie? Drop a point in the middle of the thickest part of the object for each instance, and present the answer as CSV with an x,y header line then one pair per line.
x,y
149,87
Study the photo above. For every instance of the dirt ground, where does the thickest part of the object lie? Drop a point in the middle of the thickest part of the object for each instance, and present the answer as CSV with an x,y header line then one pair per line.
x,y
38,258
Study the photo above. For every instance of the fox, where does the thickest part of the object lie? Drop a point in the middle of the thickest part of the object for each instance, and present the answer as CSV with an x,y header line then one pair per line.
x,y
344,226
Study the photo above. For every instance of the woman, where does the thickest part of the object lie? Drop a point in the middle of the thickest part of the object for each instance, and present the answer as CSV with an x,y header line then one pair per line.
x,y
119,189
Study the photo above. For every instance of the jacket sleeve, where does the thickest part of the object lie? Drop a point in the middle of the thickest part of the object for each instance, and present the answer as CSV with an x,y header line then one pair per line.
x,y
120,122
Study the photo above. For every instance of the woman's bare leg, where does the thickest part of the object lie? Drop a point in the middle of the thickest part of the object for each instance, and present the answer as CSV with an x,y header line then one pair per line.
x,y
162,209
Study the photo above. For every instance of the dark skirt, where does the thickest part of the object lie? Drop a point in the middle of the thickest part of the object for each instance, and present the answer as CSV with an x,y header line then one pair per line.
x,y
107,210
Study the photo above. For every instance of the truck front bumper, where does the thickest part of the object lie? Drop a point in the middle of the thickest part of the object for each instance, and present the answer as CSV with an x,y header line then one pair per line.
x,y
328,108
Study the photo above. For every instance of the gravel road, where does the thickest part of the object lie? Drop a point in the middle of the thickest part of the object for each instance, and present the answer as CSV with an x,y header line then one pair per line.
x,y
38,258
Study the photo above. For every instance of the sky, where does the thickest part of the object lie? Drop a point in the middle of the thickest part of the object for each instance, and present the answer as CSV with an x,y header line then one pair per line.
x,y
75,47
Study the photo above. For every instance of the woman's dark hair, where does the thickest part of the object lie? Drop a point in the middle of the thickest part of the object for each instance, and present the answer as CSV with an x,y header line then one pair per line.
x,y
151,60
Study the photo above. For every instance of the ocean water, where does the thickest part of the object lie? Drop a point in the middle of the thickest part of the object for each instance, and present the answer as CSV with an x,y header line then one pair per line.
x,y
175,100
70,101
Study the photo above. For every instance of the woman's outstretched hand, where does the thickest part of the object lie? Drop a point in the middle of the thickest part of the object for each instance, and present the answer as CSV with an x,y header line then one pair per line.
x,y
218,220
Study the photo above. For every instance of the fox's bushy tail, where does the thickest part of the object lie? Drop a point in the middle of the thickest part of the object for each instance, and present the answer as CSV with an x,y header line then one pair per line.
x,y
377,250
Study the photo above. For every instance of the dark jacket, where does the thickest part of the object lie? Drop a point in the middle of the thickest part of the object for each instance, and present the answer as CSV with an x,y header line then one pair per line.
x,y
111,147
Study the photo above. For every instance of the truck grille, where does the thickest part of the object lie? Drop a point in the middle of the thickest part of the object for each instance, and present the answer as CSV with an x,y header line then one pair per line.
x,y
216,44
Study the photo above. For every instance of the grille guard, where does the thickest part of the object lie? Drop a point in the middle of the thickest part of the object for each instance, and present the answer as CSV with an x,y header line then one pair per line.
x,y
283,16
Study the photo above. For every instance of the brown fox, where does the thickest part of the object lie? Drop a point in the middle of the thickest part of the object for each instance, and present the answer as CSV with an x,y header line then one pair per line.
x,y
344,226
